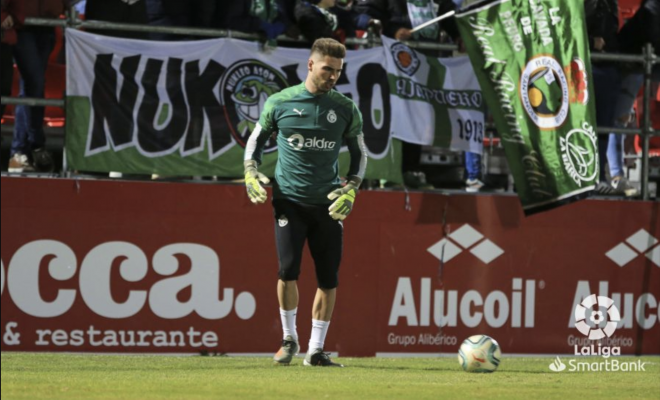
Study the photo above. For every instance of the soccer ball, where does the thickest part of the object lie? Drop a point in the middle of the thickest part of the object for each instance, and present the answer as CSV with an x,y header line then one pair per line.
x,y
479,353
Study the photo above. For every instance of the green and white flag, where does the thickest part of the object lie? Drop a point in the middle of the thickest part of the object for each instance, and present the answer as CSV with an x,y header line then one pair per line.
x,y
419,12
438,100
188,108
532,61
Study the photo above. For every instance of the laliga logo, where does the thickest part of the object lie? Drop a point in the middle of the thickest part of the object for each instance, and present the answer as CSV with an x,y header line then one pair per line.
x,y
597,317
590,325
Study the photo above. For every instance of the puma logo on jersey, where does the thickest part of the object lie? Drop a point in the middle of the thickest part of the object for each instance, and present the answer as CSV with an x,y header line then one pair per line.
x,y
295,110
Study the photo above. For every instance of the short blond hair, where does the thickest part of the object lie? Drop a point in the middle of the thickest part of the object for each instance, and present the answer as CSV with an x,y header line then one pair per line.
x,y
329,47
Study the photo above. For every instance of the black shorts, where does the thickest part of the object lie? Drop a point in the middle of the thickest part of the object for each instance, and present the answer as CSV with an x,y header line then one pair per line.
x,y
294,224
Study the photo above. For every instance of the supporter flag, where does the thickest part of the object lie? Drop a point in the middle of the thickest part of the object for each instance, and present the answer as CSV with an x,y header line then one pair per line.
x,y
531,58
438,99
188,108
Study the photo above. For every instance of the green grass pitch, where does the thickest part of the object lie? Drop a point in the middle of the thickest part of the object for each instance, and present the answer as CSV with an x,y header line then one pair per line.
x,y
74,376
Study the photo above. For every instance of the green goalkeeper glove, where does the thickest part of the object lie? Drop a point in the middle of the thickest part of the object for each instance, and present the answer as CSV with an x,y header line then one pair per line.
x,y
345,197
253,181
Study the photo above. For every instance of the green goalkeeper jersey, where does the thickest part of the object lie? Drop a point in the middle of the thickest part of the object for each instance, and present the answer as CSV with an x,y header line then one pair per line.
x,y
311,130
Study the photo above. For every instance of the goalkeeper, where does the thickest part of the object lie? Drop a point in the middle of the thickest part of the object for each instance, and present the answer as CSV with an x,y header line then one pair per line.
x,y
311,121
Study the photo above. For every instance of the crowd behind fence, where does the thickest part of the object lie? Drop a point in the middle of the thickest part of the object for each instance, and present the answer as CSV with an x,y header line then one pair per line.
x,y
648,59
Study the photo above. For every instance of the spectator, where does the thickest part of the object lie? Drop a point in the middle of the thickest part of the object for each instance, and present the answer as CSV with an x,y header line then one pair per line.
x,y
286,14
80,6
195,13
642,28
602,27
472,161
370,13
396,20
31,53
252,16
156,16
395,16
121,11
473,164
346,19
192,13
12,18
315,19
473,170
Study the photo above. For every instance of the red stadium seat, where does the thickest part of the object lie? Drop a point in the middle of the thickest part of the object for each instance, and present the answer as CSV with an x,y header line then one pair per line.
x,y
654,147
491,142
627,8
59,45
654,150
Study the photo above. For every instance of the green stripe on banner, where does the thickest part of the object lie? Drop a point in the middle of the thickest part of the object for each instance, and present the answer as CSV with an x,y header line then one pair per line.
x,y
442,122
131,160
78,111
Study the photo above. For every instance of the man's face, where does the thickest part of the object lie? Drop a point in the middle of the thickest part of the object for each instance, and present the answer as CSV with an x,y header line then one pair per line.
x,y
325,71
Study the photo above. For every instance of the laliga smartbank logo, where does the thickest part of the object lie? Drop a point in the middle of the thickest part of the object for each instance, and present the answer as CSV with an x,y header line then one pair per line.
x,y
597,318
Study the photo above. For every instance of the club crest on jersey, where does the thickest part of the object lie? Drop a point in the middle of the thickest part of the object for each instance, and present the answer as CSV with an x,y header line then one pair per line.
x,y
405,58
244,89
332,117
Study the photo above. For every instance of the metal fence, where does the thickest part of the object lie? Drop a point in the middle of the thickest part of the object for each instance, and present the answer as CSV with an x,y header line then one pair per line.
x,y
648,59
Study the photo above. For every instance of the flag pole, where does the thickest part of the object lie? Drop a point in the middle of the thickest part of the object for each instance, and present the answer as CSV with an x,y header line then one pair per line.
x,y
433,21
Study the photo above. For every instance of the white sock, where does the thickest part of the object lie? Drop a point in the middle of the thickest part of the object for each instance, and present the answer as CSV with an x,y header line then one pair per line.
x,y
289,323
319,331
